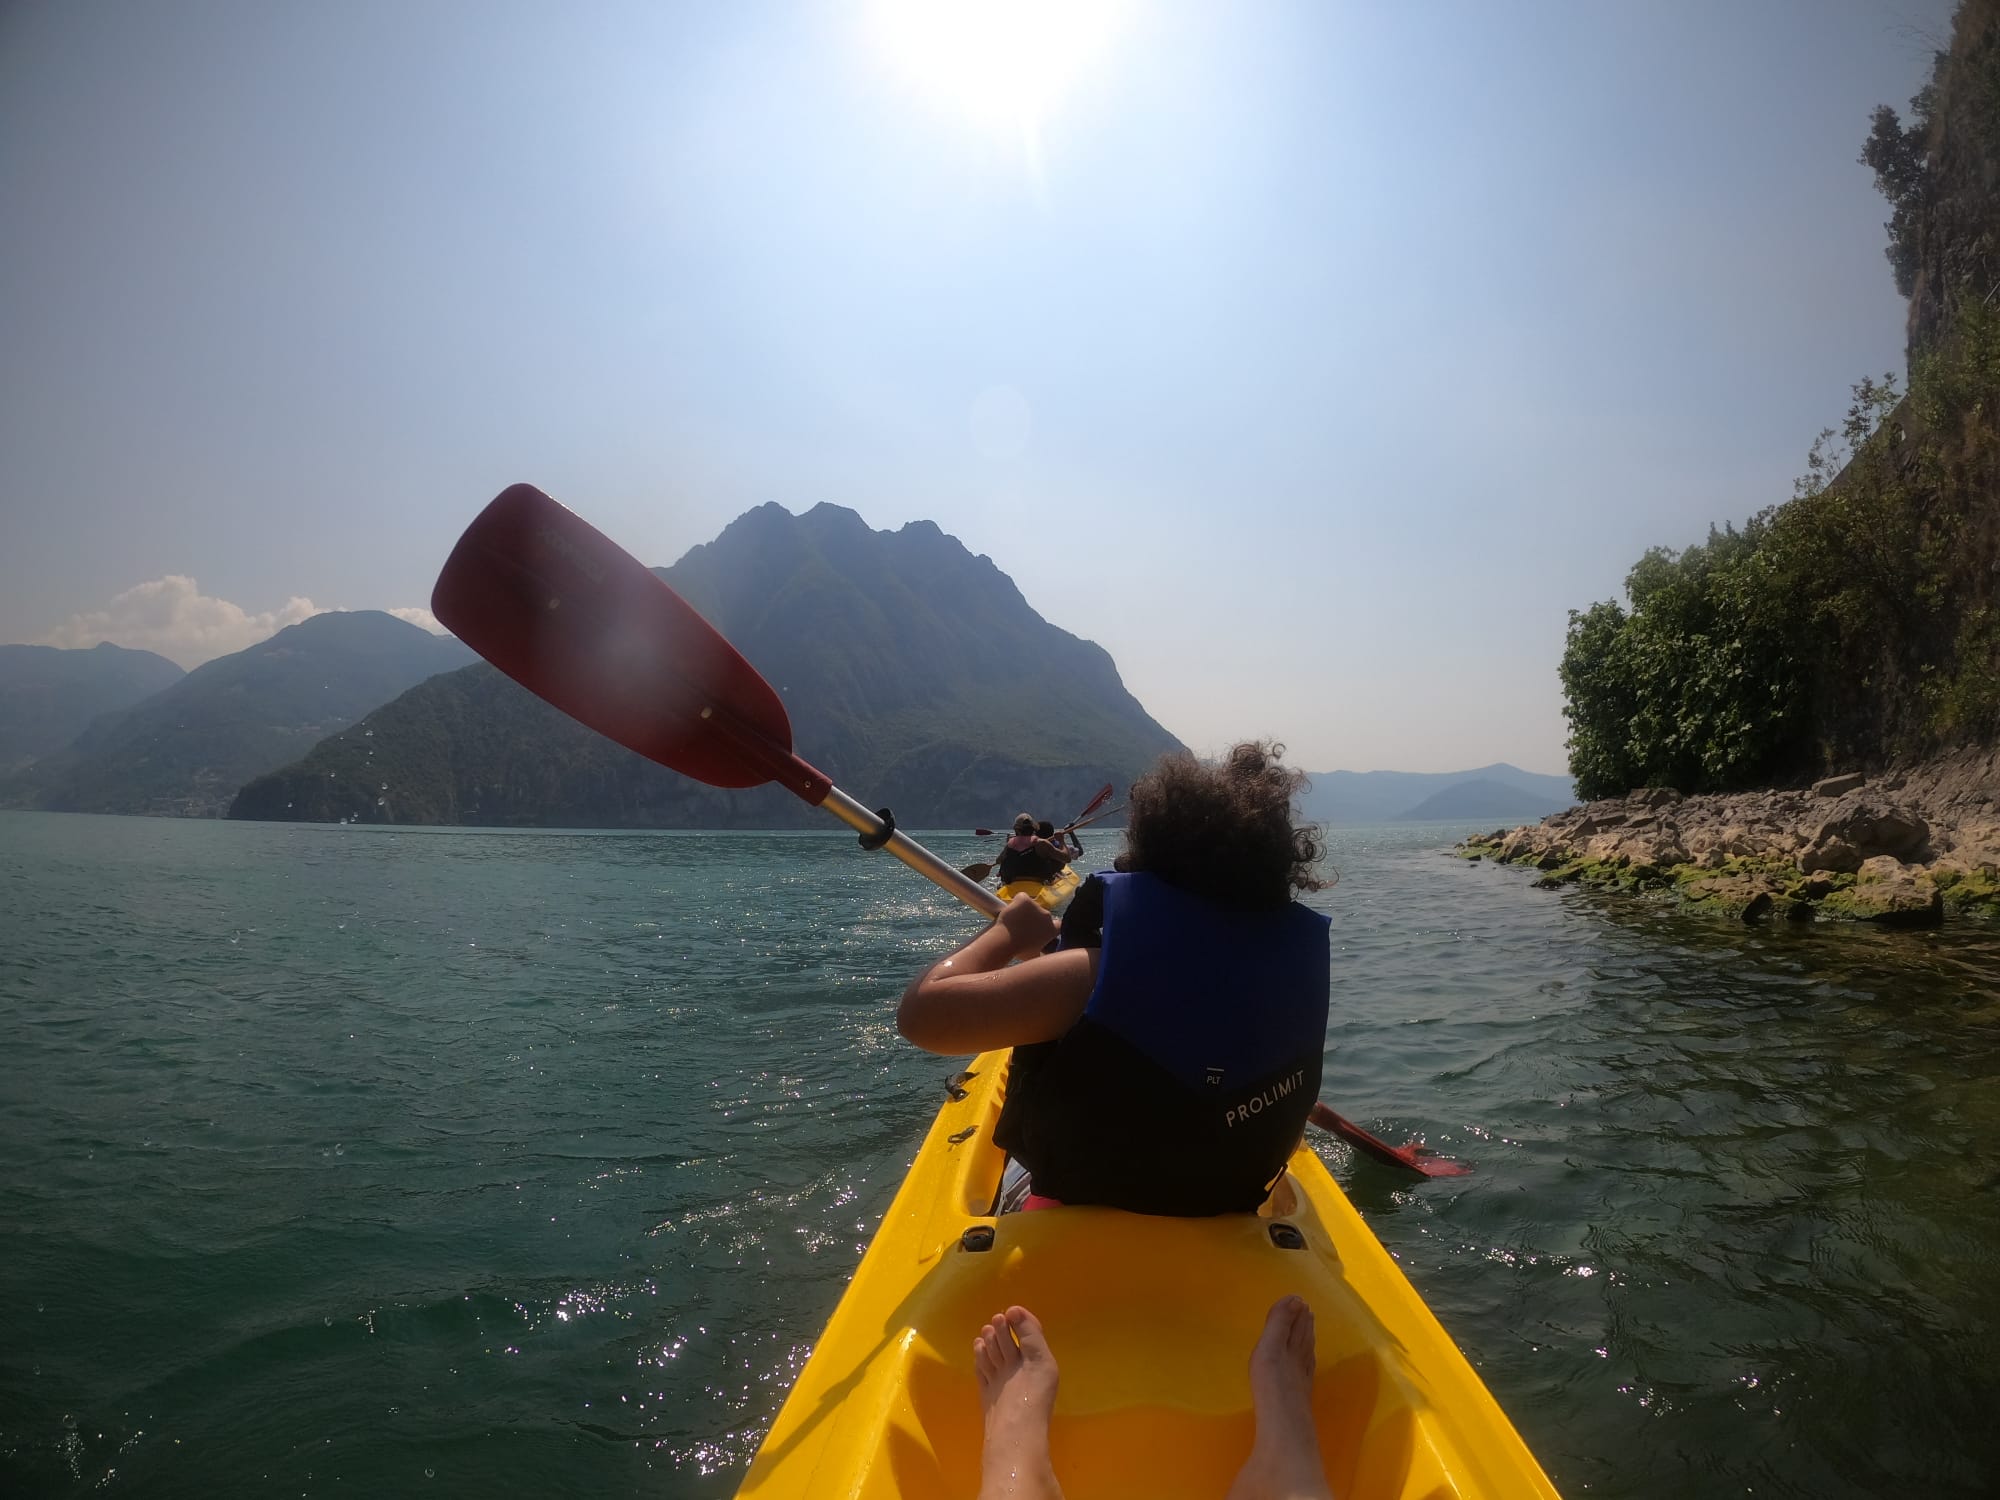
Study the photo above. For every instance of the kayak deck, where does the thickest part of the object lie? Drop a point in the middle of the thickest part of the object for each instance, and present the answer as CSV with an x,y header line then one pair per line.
x,y
1052,893
1151,1321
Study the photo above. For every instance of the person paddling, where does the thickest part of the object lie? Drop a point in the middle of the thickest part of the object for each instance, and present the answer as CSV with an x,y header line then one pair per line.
x,y
1027,855
1167,1053
1064,842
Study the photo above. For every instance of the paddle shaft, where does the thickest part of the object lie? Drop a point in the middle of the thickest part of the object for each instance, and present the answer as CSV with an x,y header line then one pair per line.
x,y
913,854
814,787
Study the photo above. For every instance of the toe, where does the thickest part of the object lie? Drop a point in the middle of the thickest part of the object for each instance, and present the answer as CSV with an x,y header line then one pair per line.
x,y
1028,1329
1278,1321
1000,1344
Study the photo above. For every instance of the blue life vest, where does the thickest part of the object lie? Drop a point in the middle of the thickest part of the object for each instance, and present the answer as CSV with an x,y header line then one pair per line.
x,y
1186,1083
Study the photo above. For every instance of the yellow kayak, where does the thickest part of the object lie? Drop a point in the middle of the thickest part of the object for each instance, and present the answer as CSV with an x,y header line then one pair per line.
x,y
1151,1321
1051,893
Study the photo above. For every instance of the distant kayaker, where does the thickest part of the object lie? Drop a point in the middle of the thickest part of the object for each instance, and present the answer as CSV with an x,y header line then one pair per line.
x,y
1017,1394
1167,1054
1029,855
1064,841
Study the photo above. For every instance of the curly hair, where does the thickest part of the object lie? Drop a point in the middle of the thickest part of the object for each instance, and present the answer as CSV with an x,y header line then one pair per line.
x,y
1224,832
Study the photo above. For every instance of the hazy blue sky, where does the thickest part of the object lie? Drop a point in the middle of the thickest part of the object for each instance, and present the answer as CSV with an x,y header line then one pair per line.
x,y
1315,359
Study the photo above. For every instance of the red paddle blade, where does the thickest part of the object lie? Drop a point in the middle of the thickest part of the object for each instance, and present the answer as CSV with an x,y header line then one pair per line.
x,y
1413,1157
575,619
1092,806
1097,817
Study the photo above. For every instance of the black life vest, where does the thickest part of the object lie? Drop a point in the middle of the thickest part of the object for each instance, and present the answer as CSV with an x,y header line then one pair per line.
x,y
1185,1084
1027,862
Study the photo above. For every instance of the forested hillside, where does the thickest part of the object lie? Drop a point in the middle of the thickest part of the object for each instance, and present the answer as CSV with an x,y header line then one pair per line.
x,y
1858,623
185,750
49,695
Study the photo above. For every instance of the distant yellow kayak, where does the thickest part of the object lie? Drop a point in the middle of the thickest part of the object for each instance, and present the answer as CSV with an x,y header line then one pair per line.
x,y
1051,893
1152,1320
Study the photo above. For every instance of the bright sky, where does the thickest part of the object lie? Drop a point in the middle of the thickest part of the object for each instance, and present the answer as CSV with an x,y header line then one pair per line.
x,y
1313,358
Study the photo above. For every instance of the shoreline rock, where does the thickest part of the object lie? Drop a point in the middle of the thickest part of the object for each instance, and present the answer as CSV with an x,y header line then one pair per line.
x,y
1898,849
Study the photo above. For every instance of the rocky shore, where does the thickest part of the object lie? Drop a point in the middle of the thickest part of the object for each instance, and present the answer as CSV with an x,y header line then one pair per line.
x,y
1901,849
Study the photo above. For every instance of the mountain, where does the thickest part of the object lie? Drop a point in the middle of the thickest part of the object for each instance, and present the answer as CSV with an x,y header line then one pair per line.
x,y
1387,796
185,750
914,674
1485,801
48,695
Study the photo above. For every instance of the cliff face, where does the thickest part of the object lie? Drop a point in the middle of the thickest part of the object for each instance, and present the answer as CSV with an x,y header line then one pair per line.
x,y
1914,520
1858,625
1955,222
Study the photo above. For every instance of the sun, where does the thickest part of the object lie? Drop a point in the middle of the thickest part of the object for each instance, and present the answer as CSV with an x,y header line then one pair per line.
x,y
1004,65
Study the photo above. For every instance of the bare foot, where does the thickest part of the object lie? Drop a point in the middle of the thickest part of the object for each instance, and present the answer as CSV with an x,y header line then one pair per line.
x,y
1017,1389
1284,1461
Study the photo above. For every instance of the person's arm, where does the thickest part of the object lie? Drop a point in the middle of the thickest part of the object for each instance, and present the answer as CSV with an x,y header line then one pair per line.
x,y
1052,851
979,999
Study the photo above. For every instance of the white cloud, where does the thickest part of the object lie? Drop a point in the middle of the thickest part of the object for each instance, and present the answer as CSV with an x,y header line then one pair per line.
x,y
423,619
172,616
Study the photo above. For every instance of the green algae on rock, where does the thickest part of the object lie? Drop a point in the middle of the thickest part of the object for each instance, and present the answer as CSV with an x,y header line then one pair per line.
x,y
1902,852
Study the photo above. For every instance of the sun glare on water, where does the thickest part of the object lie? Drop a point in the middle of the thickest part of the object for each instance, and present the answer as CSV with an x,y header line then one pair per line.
x,y
1004,65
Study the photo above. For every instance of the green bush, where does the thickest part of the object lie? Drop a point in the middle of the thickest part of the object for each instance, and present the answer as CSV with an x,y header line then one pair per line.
x,y
1853,623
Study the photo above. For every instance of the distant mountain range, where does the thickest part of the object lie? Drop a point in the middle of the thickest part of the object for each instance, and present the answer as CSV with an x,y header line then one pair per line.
x,y
48,695
1500,792
914,674
186,750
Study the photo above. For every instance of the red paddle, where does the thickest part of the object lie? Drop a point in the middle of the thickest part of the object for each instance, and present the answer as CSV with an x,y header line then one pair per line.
x,y
1103,796
1415,1156
1108,812
575,619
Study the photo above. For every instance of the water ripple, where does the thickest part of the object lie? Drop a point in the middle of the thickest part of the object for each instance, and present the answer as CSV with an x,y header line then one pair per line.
x,y
355,1159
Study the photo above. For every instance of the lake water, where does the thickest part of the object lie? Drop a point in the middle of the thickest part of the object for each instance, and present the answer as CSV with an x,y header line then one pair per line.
x,y
443,1162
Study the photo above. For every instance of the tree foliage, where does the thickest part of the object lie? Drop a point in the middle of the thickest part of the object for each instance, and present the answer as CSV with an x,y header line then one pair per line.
x,y
1895,153
1857,622
1697,686
1861,620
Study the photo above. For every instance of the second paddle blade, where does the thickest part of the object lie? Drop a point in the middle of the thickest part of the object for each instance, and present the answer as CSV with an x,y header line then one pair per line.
x,y
578,621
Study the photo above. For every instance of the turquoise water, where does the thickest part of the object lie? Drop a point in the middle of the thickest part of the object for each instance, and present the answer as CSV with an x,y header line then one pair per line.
x,y
461,1163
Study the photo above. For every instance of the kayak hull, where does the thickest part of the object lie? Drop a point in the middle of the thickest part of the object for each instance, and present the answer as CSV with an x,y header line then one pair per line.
x,y
1151,1320
1051,893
